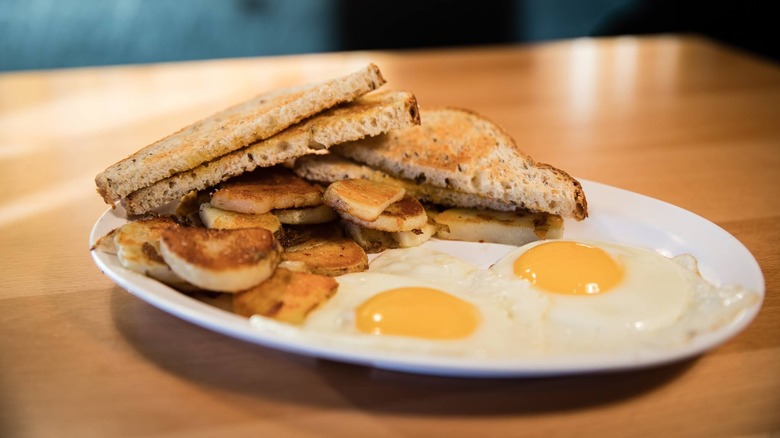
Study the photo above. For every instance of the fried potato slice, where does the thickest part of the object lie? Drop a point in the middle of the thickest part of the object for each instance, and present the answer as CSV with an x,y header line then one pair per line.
x,y
332,257
415,237
286,296
266,189
303,236
221,260
137,247
213,217
510,228
372,241
306,215
361,198
189,206
405,215
106,243
375,241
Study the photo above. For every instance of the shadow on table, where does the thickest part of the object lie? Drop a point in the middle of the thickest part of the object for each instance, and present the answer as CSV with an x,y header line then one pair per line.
x,y
211,359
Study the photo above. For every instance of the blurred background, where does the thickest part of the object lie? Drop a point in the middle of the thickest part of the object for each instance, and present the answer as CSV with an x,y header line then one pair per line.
x,y
39,34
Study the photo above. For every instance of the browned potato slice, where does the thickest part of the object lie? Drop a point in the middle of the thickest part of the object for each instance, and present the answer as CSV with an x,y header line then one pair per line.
x,y
302,236
264,190
137,247
213,217
511,228
361,198
372,241
332,257
221,260
306,215
106,243
189,206
405,215
287,296
416,237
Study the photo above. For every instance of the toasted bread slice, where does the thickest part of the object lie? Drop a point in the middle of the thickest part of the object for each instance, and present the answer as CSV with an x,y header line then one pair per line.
x,y
221,260
213,217
287,296
229,130
331,257
369,115
264,190
463,151
327,168
361,198
137,246
405,215
306,215
509,228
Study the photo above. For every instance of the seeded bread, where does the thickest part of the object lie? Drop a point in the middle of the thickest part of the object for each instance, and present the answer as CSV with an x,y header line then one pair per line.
x,y
230,129
368,115
463,151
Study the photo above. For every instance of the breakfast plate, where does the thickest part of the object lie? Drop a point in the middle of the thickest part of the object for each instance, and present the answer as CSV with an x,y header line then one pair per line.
x,y
616,215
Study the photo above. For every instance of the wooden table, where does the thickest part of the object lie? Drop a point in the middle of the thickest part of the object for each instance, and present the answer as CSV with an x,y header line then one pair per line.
x,y
677,118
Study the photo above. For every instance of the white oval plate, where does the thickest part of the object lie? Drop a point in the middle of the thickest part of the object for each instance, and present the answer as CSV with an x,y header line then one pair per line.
x,y
615,215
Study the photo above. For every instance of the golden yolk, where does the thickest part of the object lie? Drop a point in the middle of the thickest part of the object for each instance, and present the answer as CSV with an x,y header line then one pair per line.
x,y
418,312
569,268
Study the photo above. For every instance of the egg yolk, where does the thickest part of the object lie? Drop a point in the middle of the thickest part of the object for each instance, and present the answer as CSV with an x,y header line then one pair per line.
x,y
418,312
569,268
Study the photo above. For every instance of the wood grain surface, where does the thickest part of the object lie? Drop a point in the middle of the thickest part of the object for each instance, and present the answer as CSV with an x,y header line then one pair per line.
x,y
677,118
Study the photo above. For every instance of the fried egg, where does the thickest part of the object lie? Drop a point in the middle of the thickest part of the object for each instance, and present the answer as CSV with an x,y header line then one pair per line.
x,y
436,308
601,286
602,296
560,298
